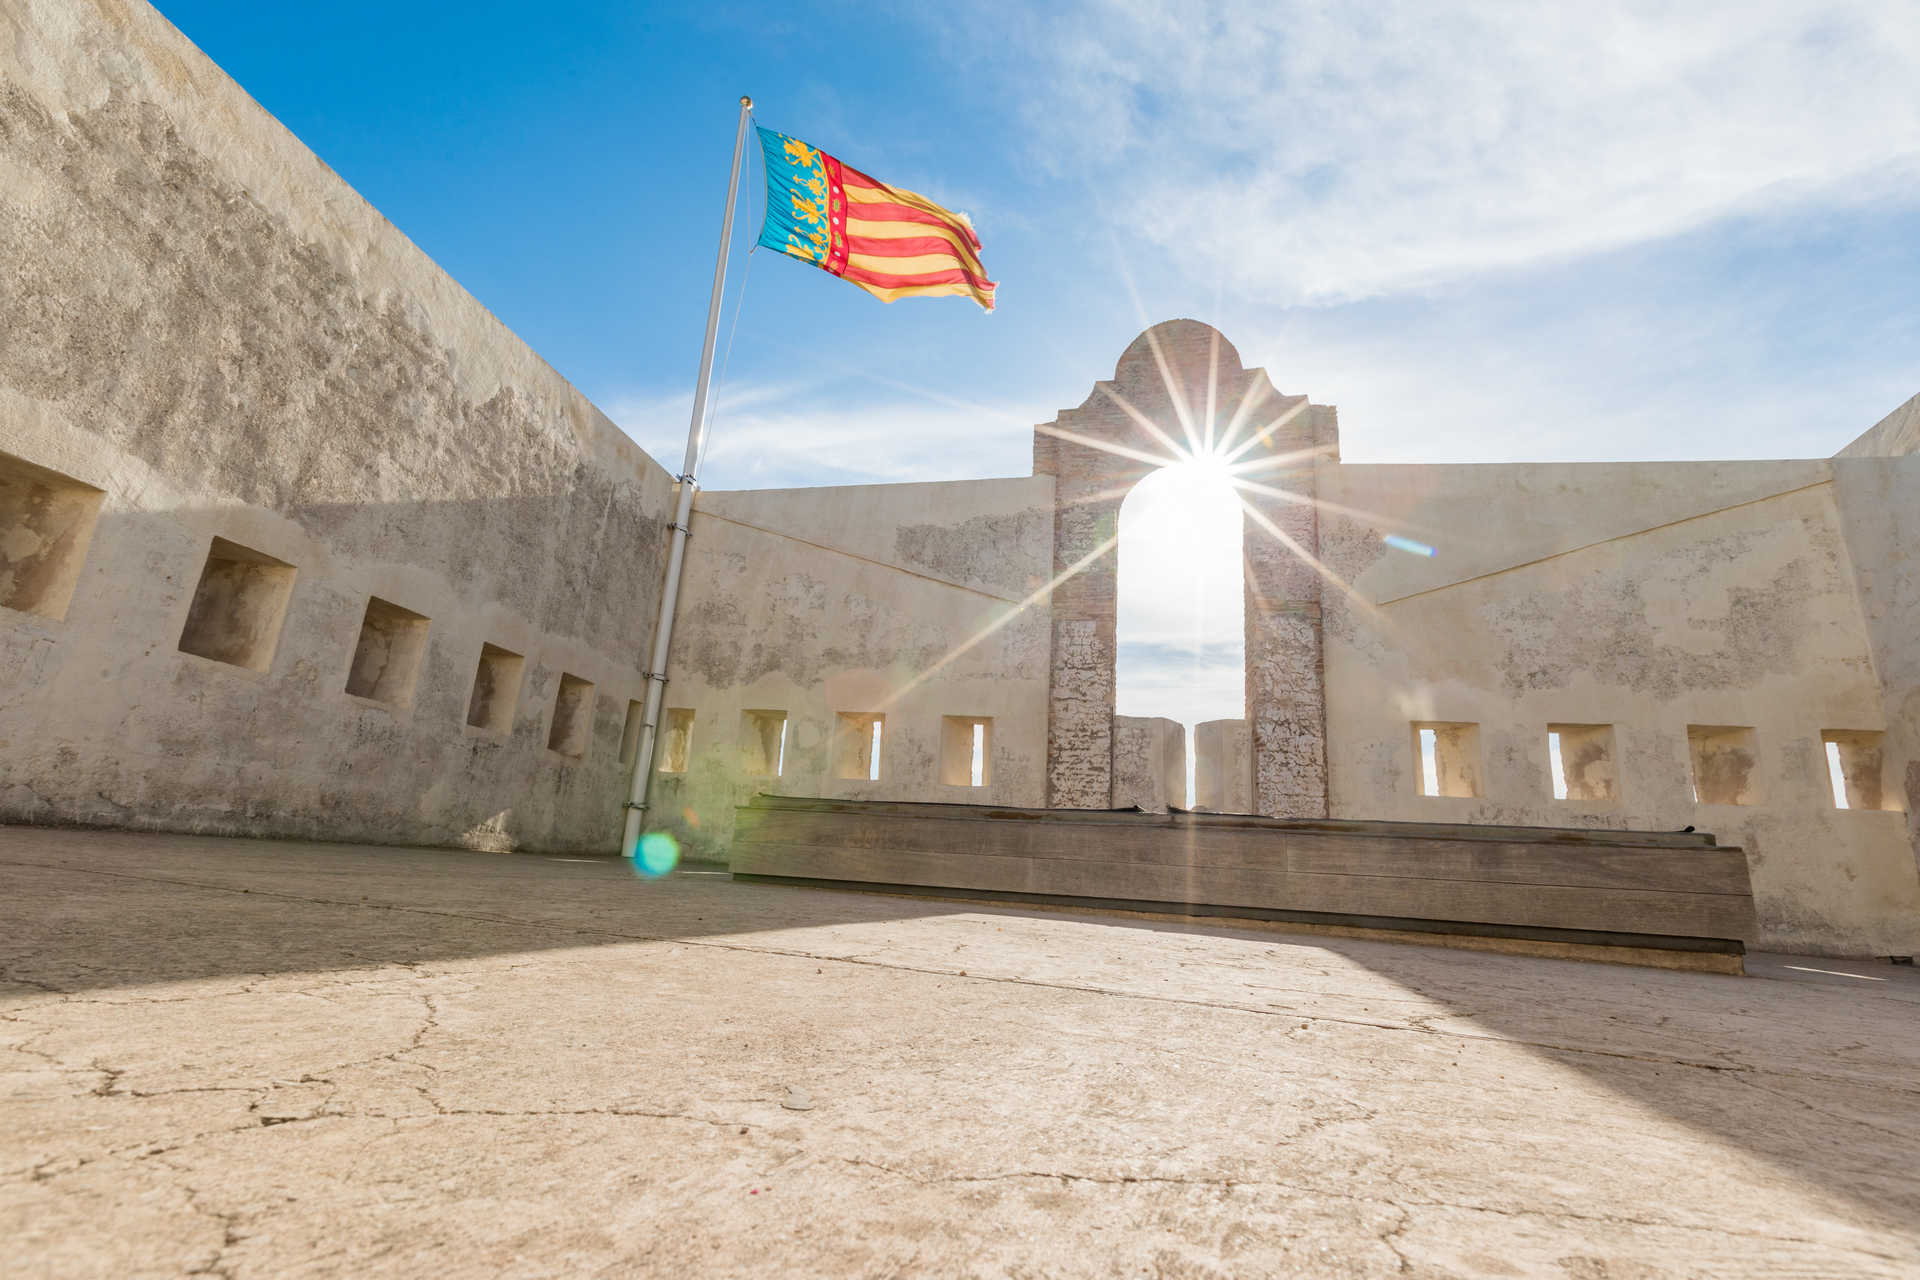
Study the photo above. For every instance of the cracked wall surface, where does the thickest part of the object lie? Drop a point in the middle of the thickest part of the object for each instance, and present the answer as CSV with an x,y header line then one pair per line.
x,y
209,326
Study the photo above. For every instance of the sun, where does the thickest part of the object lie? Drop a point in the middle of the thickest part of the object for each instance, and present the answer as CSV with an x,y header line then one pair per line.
x,y
1205,468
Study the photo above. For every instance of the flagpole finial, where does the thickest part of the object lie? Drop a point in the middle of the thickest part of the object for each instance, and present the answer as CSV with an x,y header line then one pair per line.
x,y
745,101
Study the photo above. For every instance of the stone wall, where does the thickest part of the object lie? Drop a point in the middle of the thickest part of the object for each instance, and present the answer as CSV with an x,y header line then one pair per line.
x,y
809,612
1179,389
1896,435
1223,766
1674,616
1149,762
273,480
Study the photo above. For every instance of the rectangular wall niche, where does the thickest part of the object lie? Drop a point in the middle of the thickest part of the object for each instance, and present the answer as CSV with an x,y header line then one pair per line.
x,y
1448,758
856,753
763,742
1581,757
677,745
46,522
238,606
1723,764
966,751
496,688
1856,767
386,660
630,729
572,717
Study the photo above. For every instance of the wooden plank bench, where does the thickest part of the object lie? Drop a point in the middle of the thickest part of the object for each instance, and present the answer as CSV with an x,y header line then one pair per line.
x,y
1672,899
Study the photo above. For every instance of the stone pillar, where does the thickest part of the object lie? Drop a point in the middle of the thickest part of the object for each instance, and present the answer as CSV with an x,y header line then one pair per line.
x,y
1223,766
1286,682
1149,762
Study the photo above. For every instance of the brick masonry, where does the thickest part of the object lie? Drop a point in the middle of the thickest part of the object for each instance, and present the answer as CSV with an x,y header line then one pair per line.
x,y
1181,385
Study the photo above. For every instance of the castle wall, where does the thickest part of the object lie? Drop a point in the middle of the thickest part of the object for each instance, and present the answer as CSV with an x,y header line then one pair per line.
x,y
1625,603
1895,435
921,603
237,409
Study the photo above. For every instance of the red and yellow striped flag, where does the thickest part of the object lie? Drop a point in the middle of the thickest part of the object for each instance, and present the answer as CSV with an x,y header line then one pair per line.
x,y
892,243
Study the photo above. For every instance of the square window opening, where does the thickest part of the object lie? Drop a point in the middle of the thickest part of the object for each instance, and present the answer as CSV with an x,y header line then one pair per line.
x,y
1724,761
46,522
1856,768
1581,757
763,742
678,747
496,689
856,755
966,751
1449,756
239,606
386,659
572,717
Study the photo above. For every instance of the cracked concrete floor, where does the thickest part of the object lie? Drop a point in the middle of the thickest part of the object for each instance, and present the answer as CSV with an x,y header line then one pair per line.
x,y
259,1058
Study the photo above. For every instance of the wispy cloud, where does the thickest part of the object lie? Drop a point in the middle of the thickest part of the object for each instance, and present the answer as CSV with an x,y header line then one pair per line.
x,y
1319,150
770,434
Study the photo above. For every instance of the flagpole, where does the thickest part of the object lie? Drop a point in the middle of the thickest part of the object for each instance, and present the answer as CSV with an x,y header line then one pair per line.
x,y
636,806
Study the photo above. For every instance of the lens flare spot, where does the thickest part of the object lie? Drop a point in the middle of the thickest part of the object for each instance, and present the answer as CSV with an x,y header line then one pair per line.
x,y
658,854
1408,545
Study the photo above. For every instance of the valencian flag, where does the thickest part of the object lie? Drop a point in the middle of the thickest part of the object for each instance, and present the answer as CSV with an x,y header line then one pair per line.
x,y
892,243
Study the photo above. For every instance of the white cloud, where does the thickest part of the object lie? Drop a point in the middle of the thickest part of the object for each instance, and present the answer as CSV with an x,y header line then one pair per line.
x,y
768,435
1321,149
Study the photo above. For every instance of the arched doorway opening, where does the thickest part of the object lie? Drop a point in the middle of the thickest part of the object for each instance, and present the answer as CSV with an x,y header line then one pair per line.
x,y
1179,626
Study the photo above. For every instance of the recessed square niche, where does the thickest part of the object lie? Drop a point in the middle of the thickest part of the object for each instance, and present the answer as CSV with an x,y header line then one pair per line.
x,y
46,522
386,659
572,717
966,751
1724,757
630,729
677,740
1856,763
763,742
1581,759
238,606
496,688
856,755
1447,758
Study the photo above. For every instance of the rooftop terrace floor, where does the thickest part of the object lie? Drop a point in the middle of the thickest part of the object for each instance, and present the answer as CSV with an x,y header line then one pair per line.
x,y
263,1058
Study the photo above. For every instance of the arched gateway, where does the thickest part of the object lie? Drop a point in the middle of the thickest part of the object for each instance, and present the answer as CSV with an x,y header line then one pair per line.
x,y
1179,388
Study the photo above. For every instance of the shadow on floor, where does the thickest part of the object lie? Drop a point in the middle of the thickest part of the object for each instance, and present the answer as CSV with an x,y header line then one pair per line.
x,y
1816,1074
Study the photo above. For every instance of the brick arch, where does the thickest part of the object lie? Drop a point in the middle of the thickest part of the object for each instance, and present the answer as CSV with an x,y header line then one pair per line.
x,y
1169,385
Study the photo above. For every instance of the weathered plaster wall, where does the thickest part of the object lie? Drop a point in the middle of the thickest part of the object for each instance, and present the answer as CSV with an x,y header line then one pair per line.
x,y
1879,502
1649,597
1895,435
861,599
206,324
1149,762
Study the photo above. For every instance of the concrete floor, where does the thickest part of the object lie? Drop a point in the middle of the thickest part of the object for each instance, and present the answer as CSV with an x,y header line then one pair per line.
x,y
249,1058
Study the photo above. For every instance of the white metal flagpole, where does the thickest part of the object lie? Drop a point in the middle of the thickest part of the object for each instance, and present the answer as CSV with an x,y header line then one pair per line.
x,y
636,806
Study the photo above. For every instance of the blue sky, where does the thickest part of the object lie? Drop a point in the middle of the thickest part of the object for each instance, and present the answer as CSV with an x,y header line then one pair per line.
x,y
1486,230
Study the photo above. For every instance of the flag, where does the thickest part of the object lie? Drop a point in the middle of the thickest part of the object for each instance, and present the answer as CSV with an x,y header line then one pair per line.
x,y
892,243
